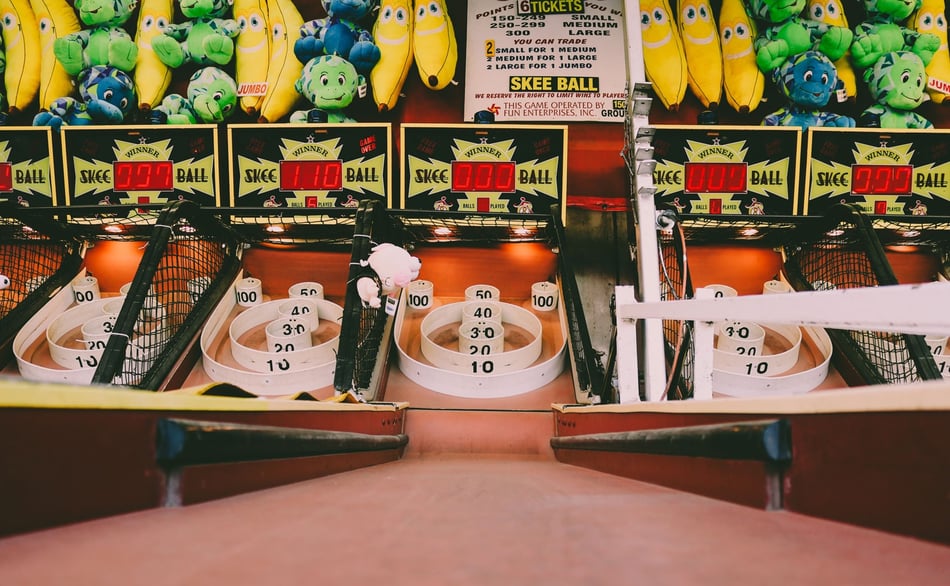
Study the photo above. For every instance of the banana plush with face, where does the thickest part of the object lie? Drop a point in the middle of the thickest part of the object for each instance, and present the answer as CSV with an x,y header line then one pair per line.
x,y
931,18
663,55
151,76
392,33
21,43
433,44
55,19
830,12
702,49
283,69
251,53
743,81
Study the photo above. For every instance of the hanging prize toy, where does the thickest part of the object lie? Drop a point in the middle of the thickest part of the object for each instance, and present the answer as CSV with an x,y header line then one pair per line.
x,y
743,81
393,34
808,81
897,83
664,58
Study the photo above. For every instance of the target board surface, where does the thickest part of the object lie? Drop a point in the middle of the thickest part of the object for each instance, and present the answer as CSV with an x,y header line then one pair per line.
x,y
435,370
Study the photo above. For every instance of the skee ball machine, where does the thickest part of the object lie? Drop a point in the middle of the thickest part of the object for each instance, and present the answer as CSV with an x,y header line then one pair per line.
x,y
115,324
296,194
731,201
495,320
199,264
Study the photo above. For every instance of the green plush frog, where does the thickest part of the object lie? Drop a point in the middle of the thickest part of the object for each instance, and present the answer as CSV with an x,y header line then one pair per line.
x,y
212,97
104,42
882,32
898,84
330,83
783,33
206,39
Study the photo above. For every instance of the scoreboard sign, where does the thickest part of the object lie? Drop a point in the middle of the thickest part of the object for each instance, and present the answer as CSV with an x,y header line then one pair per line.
x,y
727,171
886,172
141,164
26,172
309,165
483,168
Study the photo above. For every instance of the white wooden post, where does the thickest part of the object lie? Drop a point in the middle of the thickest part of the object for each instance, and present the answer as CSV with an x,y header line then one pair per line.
x,y
703,349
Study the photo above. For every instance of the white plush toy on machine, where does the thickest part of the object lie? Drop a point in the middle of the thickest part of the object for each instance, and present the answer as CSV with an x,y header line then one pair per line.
x,y
394,267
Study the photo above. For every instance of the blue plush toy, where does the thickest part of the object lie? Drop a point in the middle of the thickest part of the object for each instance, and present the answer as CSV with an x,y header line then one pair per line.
x,y
107,96
808,81
897,82
340,34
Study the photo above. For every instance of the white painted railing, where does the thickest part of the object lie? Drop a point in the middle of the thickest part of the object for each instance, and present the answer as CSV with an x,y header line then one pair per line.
x,y
912,309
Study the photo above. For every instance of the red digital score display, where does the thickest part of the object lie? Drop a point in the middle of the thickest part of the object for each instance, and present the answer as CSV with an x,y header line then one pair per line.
x,y
143,176
483,176
6,177
311,175
715,177
882,179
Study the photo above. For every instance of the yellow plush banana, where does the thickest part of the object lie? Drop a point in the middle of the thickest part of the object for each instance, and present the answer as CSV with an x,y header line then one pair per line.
x,y
743,81
55,18
663,56
433,44
21,43
283,69
151,76
392,33
251,53
830,12
931,17
703,52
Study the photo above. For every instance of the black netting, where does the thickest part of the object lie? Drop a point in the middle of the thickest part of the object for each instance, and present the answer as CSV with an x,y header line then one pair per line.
x,y
944,256
843,252
457,227
771,231
364,339
37,256
675,284
297,227
189,262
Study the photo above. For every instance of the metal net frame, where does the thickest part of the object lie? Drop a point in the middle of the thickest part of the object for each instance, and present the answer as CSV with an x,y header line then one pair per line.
x,y
300,228
38,256
675,283
189,263
746,230
843,251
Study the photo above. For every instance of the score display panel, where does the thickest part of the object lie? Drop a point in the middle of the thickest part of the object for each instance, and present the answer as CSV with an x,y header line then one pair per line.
x,y
727,170
480,168
27,175
154,164
309,165
887,172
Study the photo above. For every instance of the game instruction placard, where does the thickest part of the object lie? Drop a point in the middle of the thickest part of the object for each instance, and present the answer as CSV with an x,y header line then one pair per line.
x,y
546,60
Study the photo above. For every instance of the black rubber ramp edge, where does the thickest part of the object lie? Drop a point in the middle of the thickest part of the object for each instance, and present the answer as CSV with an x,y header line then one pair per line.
x,y
185,442
767,441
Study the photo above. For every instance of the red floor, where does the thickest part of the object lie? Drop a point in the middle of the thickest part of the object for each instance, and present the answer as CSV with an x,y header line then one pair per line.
x,y
475,519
